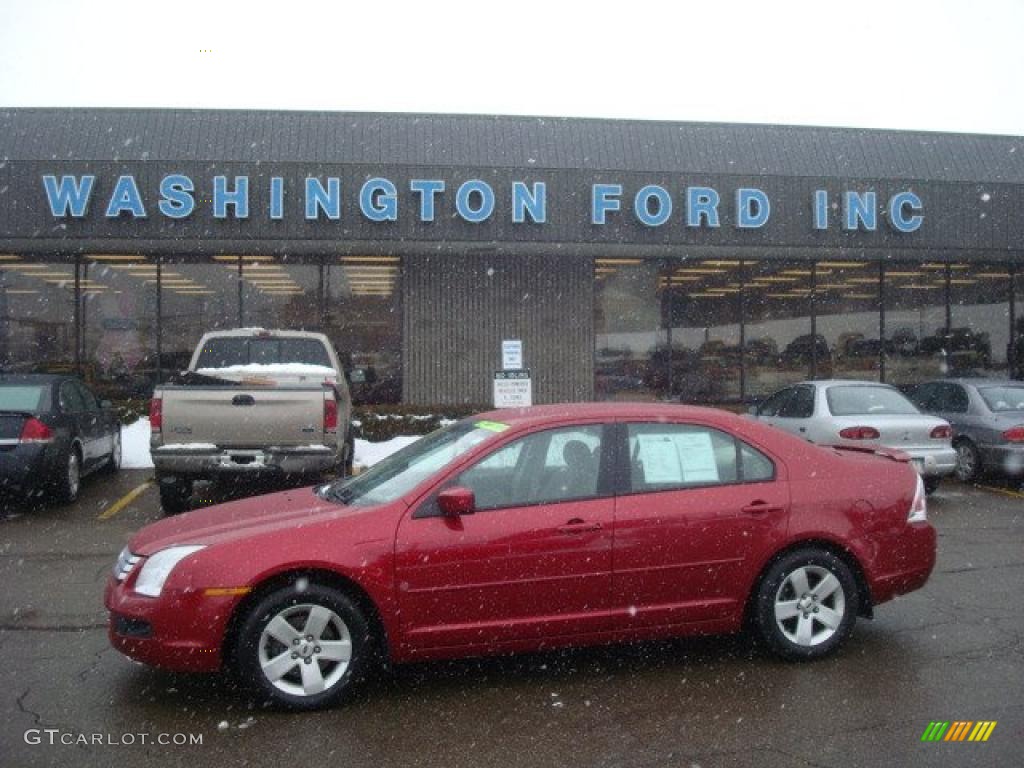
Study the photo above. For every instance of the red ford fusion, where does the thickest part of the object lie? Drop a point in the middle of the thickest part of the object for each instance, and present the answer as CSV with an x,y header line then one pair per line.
x,y
528,529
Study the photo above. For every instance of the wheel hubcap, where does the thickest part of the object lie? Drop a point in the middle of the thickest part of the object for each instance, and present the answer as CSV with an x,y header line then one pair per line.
x,y
809,605
305,650
964,462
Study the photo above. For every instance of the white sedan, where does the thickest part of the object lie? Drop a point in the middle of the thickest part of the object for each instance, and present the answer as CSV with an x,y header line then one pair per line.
x,y
864,414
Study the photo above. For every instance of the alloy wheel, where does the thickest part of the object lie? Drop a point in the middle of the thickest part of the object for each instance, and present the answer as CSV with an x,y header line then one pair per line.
x,y
966,462
305,650
74,475
809,605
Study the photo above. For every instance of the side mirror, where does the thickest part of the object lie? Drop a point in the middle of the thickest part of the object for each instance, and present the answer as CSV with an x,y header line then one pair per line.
x,y
456,501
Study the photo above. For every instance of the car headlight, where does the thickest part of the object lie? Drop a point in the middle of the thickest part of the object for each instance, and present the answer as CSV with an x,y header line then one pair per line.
x,y
158,567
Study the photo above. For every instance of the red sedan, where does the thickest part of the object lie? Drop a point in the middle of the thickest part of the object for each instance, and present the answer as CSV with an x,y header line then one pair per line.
x,y
520,530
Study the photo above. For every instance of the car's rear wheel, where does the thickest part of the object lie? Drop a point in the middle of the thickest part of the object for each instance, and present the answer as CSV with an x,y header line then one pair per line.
x,y
302,646
807,604
968,462
175,494
70,481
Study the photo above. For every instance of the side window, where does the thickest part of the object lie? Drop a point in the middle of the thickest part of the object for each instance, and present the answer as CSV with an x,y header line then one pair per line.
x,y
957,400
924,397
89,400
775,403
544,467
755,467
70,399
666,456
800,405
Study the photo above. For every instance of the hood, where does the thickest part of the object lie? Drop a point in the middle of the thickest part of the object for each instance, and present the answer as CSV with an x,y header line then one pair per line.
x,y
238,519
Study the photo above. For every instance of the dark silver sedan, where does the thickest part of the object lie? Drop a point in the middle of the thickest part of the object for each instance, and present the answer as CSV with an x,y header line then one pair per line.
x,y
987,416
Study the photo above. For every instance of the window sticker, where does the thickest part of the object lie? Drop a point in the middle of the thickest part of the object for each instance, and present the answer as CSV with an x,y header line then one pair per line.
x,y
491,426
697,455
681,458
660,460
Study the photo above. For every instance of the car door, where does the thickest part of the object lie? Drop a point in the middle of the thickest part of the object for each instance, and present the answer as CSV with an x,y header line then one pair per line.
x,y
796,413
69,399
699,509
532,561
768,411
96,438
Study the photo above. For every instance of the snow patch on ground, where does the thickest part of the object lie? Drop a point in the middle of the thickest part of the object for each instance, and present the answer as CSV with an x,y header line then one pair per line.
x,y
135,445
368,454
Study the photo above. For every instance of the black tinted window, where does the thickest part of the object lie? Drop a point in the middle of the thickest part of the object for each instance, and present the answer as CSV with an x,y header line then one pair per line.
x,y
227,351
773,404
953,399
70,398
800,405
89,401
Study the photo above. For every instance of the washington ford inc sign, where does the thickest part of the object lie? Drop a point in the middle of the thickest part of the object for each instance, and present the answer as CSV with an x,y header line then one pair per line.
x,y
475,201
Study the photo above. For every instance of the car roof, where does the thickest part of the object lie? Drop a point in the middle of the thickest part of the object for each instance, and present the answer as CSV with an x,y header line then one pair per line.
x,y
977,381
539,414
33,378
846,382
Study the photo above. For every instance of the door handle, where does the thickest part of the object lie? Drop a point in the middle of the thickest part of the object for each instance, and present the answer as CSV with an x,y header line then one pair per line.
x,y
761,508
577,525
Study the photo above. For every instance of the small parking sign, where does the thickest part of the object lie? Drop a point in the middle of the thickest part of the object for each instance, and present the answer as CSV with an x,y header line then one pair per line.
x,y
513,389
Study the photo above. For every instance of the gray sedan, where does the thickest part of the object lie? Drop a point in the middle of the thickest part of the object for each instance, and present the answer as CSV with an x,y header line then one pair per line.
x,y
863,413
988,422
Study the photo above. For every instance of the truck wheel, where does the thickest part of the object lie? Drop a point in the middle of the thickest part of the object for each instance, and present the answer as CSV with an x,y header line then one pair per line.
x,y
350,455
175,494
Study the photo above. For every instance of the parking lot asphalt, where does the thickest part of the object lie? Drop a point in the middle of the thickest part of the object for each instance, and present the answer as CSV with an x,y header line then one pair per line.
x,y
952,651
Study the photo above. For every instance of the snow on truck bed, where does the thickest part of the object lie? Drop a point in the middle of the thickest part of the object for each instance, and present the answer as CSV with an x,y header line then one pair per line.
x,y
269,369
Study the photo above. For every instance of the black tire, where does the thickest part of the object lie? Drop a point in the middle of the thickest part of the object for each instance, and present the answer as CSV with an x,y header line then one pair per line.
x,y
775,584
250,643
350,454
931,485
69,483
113,464
175,494
968,462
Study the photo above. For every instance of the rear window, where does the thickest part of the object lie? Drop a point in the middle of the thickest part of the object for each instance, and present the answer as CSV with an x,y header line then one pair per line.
x,y
224,352
867,401
22,398
1001,399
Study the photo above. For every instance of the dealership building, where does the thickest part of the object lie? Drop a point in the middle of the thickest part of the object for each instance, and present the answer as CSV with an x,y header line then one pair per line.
x,y
702,263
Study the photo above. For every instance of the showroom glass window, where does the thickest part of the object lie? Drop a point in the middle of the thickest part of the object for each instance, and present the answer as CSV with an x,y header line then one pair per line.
x,y
915,321
978,340
117,312
630,343
362,316
780,345
701,309
847,316
37,307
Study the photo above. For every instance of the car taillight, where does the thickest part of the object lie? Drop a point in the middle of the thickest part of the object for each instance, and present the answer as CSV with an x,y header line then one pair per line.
x,y
156,414
330,415
859,433
34,431
943,432
919,506
1014,434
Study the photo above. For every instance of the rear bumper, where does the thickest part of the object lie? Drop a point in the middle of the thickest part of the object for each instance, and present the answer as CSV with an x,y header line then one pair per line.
x,y
932,462
179,630
236,461
1007,458
908,562
25,467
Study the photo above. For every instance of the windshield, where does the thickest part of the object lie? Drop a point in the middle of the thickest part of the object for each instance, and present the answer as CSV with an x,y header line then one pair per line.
x,y
404,470
868,401
1001,399
21,398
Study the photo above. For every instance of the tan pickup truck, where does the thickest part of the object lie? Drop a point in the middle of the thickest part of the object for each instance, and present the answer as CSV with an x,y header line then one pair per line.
x,y
253,401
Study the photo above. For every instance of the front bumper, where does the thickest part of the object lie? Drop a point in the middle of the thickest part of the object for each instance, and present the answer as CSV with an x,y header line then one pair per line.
x,y
234,461
181,630
932,462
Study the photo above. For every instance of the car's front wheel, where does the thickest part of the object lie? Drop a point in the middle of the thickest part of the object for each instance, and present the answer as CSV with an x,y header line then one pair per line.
x,y
303,646
806,604
69,482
